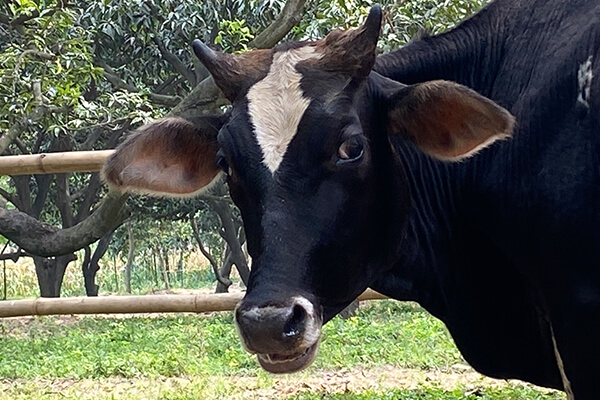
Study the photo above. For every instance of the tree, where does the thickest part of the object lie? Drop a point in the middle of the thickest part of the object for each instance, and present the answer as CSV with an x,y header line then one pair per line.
x,y
76,76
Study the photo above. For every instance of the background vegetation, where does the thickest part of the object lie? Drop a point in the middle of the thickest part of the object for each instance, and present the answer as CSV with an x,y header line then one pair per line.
x,y
80,75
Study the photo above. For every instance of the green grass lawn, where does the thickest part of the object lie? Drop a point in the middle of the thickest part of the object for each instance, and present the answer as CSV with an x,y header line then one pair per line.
x,y
388,351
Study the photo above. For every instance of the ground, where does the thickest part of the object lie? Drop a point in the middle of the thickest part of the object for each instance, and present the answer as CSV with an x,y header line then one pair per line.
x,y
379,380
388,351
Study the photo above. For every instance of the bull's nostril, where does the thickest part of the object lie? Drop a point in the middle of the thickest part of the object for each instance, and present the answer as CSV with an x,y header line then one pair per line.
x,y
295,324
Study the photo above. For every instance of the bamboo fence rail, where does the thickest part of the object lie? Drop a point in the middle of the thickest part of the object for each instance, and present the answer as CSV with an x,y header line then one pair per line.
x,y
92,161
50,163
145,304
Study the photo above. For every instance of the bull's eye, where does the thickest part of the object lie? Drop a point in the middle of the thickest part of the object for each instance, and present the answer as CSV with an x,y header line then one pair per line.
x,y
351,150
222,163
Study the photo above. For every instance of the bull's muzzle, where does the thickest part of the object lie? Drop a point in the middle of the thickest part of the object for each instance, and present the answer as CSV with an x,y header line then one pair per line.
x,y
284,335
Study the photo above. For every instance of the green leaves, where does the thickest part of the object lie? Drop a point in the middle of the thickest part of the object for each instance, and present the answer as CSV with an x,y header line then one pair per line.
x,y
403,20
234,36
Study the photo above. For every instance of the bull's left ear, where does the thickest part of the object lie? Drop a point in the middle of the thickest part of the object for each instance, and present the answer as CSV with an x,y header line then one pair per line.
x,y
168,157
447,120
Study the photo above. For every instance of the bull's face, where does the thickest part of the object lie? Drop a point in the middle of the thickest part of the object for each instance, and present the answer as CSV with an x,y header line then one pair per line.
x,y
300,168
306,154
296,155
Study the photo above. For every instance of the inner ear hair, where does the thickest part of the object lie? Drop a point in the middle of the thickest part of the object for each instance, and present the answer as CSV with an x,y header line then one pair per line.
x,y
168,157
447,120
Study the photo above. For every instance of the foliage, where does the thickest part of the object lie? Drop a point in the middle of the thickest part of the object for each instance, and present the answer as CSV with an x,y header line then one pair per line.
x,y
162,238
233,36
57,51
403,20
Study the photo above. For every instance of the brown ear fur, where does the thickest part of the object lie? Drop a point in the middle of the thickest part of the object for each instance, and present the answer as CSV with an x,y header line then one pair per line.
x,y
447,120
352,52
171,156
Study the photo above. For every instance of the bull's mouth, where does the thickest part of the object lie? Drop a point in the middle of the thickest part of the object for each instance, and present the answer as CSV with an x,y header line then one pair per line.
x,y
288,363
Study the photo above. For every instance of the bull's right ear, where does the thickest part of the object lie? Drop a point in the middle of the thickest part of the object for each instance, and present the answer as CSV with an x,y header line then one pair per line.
x,y
172,156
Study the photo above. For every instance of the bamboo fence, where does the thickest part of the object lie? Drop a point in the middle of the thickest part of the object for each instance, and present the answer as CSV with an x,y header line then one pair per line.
x,y
146,304
50,163
92,161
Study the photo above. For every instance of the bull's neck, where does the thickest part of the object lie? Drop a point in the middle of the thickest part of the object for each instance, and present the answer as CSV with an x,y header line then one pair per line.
x,y
427,243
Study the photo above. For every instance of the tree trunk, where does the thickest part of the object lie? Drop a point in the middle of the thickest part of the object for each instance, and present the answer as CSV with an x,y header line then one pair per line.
x,y
90,266
180,268
167,266
4,279
230,235
164,267
225,272
50,273
130,256
44,240
91,289
116,274
155,268
223,281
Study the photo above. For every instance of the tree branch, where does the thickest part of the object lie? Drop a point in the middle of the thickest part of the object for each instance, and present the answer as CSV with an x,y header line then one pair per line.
x,y
14,257
43,183
9,197
117,82
23,189
230,235
15,130
38,112
223,281
63,200
22,148
4,19
163,87
126,120
290,16
174,61
205,98
21,19
40,54
43,240
89,195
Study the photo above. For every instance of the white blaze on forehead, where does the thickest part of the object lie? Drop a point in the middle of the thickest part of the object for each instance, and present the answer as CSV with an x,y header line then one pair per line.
x,y
276,104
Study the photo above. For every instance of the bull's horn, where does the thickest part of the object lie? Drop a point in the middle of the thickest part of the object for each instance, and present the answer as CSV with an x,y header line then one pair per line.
x,y
233,74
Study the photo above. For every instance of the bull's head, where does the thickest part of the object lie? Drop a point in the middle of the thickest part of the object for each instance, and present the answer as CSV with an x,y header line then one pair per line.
x,y
307,156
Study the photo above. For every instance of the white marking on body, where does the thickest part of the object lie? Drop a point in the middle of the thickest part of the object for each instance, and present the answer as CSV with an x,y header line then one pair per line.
x,y
276,104
312,328
561,368
584,77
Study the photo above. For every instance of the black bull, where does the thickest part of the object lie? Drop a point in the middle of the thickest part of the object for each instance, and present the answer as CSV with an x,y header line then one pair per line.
x,y
346,179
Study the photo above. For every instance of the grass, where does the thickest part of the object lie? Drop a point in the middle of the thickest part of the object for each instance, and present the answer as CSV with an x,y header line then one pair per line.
x,y
219,388
385,333
434,393
193,357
